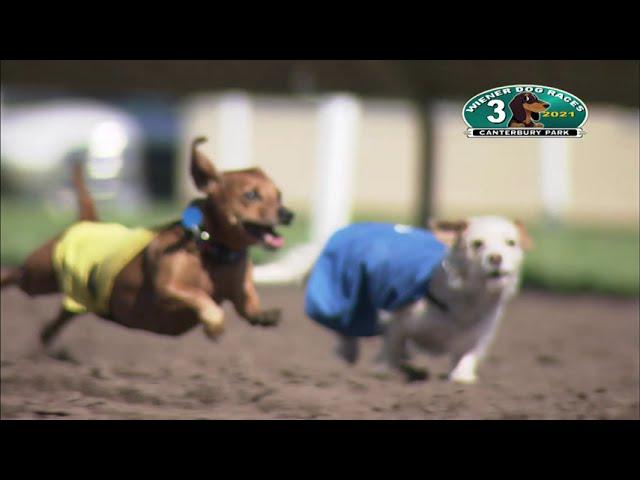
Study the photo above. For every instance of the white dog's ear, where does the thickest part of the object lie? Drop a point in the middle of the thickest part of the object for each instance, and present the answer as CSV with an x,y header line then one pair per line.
x,y
447,231
525,239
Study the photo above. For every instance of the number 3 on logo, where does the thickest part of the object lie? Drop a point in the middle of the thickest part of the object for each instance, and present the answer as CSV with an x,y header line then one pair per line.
x,y
499,110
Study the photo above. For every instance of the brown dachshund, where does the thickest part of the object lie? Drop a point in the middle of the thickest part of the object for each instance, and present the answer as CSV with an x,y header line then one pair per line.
x,y
526,108
180,278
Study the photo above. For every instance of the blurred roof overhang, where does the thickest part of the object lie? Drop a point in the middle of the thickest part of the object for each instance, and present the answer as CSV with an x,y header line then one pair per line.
x,y
604,81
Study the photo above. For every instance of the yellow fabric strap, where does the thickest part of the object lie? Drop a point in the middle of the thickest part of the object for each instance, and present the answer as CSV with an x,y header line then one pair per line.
x,y
89,256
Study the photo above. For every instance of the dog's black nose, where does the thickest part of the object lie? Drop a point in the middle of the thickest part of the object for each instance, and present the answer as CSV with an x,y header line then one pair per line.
x,y
285,215
545,105
495,259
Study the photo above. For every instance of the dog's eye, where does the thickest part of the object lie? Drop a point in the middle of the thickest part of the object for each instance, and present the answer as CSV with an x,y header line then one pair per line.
x,y
252,195
477,244
511,243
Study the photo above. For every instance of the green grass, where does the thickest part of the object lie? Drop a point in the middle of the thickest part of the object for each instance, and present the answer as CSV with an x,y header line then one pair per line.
x,y
26,225
574,259
565,259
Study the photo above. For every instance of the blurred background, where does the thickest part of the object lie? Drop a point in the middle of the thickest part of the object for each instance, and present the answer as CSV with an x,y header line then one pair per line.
x,y
393,130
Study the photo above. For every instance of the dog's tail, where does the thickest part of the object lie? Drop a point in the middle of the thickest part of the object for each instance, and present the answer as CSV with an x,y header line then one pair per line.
x,y
86,207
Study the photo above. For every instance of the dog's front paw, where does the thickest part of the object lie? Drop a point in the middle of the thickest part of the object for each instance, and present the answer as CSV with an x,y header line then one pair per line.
x,y
213,322
213,331
464,378
268,318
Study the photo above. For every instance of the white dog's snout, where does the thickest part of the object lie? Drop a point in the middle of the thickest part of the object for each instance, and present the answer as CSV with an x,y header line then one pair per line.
x,y
495,259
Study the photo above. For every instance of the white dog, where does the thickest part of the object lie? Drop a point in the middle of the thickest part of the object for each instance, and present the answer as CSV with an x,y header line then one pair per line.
x,y
465,301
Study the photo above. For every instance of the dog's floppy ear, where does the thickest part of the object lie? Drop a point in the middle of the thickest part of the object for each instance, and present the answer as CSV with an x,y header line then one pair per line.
x,y
525,239
204,174
518,110
447,231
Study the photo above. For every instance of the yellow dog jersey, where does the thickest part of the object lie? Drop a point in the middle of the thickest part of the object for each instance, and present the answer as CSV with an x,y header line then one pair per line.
x,y
87,259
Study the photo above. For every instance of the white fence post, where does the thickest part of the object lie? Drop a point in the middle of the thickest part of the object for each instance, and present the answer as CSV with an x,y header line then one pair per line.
x,y
235,131
337,144
338,130
555,177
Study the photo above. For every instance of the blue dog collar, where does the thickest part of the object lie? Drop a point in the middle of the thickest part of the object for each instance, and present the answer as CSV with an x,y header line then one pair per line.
x,y
192,219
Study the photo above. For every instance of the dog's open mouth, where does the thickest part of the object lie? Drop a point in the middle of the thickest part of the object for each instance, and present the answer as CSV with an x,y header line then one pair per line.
x,y
266,234
496,274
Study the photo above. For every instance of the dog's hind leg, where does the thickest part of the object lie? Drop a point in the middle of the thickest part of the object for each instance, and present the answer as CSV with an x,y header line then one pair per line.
x,y
53,328
348,348
36,276
381,356
395,353
12,277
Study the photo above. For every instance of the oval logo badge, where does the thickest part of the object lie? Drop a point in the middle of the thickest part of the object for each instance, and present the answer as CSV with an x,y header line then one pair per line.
x,y
524,111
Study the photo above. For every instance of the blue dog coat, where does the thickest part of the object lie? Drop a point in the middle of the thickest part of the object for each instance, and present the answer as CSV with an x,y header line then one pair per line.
x,y
367,267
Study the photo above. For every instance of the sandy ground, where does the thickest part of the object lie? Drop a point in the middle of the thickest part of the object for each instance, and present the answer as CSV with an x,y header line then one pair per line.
x,y
556,357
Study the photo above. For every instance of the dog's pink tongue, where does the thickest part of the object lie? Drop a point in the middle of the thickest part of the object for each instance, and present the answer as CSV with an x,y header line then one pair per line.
x,y
273,241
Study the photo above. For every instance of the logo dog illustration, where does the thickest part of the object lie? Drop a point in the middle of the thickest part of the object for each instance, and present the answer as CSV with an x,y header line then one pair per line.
x,y
526,109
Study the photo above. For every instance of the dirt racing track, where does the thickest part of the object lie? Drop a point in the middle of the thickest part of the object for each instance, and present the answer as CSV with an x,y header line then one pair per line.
x,y
555,357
